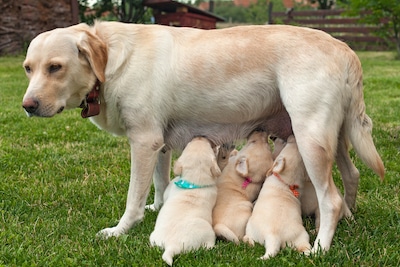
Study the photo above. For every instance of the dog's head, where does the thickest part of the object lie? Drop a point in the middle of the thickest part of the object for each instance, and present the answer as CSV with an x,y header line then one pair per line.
x,y
279,144
255,158
289,163
198,160
62,66
225,152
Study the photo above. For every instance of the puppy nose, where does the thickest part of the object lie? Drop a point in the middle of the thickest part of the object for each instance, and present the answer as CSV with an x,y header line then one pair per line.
x,y
30,105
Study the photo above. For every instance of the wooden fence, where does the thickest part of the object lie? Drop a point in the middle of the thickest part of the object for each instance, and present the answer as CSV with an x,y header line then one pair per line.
x,y
357,35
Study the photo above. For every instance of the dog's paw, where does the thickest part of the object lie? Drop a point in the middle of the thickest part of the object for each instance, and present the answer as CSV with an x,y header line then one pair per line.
x,y
168,258
265,257
246,239
317,250
109,232
314,231
305,250
151,207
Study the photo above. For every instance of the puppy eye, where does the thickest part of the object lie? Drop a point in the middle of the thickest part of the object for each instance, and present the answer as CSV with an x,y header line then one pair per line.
x,y
54,68
27,69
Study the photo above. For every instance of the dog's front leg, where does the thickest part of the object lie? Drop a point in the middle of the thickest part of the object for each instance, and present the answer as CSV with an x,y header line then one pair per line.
x,y
161,179
144,150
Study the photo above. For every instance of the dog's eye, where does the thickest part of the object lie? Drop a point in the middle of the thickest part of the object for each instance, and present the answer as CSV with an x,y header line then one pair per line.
x,y
27,69
54,68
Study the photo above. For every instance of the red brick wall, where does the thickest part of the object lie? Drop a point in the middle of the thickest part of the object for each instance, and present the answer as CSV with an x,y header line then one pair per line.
x,y
244,3
22,20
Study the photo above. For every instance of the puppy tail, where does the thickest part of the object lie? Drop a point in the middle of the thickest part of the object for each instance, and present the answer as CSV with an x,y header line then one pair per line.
x,y
221,230
358,125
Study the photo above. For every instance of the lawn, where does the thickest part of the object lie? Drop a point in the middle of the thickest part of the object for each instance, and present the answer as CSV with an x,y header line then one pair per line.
x,y
62,180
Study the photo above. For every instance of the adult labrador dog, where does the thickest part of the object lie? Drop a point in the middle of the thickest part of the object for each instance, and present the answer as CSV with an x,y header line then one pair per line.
x,y
161,86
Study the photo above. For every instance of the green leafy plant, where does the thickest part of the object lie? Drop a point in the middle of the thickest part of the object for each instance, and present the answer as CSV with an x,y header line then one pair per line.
x,y
132,11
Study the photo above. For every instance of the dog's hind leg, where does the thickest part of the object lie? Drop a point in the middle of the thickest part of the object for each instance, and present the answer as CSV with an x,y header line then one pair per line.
x,y
248,240
318,163
302,243
349,172
161,178
272,246
169,253
145,147
221,230
317,145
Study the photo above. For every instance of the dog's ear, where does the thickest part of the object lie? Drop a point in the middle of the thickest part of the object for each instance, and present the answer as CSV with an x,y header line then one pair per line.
x,y
215,170
233,153
177,168
242,166
95,51
279,165
291,139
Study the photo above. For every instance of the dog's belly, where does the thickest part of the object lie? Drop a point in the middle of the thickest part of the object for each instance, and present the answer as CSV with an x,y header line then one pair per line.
x,y
179,133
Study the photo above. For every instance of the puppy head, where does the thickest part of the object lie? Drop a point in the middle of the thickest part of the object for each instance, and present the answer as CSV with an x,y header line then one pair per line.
x,y
197,160
289,163
224,153
255,158
279,144
62,66
257,136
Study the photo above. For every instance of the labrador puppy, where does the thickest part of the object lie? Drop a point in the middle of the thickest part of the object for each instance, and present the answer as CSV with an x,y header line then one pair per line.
x,y
160,86
276,220
239,185
184,222
308,198
224,153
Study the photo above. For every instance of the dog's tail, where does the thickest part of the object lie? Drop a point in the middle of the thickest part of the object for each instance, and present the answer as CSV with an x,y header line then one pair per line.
x,y
221,230
358,125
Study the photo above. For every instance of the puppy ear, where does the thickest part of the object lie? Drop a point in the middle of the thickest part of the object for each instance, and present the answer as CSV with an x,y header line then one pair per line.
x,y
291,139
242,166
178,168
215,170
95,51
233,153
279,165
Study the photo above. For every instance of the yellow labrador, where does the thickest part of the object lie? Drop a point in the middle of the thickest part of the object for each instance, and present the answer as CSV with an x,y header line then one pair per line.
x,y
239,185
161,86
185,221
308,198
276,220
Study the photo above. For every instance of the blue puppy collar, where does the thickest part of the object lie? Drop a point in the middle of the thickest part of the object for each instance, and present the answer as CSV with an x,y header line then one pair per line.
x,y
181,183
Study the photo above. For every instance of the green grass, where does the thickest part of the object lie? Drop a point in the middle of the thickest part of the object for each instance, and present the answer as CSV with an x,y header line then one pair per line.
x,y
62,180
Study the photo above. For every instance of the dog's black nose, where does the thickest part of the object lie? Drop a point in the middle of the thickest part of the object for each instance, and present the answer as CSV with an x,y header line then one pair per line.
x,y
30,105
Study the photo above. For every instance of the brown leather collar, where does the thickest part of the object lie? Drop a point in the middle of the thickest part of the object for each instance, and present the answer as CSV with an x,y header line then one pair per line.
x,y
91,104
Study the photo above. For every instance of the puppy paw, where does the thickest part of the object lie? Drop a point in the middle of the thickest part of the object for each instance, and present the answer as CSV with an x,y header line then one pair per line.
x,y
314,231
168,258
248,240
306,250
151,207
